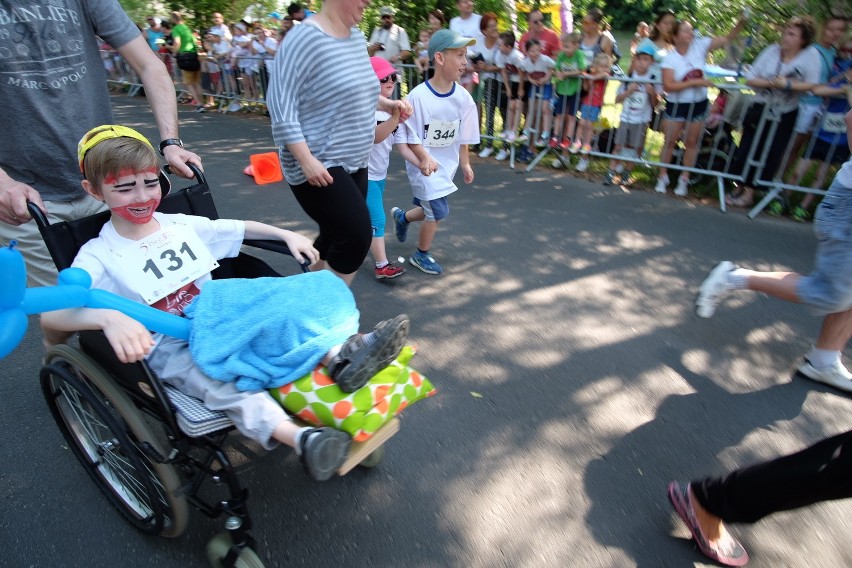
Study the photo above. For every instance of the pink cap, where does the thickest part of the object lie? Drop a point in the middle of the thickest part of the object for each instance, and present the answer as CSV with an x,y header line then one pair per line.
x,y
382,67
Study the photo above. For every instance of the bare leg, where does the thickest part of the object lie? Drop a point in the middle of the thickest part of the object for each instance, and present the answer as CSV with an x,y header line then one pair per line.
x,y
781,285
377,249
836,331
427,234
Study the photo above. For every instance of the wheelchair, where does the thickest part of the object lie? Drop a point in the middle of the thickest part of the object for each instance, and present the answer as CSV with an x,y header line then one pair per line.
x,y
149,447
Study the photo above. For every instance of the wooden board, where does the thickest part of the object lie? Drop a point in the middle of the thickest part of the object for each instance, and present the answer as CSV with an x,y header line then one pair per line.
x,y
360,450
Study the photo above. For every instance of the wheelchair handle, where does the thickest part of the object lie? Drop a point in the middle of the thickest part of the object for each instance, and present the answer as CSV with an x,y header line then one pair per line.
x,y
37,214
196,172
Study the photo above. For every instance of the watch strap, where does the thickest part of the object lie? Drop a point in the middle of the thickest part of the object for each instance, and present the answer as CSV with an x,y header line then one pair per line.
x,y
170,142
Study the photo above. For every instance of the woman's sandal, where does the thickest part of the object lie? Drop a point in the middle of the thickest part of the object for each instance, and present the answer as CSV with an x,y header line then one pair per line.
x,y
728,552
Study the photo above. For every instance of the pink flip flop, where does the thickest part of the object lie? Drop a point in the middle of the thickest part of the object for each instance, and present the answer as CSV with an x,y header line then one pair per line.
x,y
730,553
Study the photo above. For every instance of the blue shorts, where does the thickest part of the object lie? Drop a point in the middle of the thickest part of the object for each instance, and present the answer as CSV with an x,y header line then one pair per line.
x,y
590,112
686,112
828,289
435,209
569,102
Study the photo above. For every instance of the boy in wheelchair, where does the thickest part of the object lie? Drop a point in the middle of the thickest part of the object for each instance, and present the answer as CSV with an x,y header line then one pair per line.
x,y
121,169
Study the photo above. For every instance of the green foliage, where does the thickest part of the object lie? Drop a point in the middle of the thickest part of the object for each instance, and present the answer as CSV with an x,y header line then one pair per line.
x,y
197,13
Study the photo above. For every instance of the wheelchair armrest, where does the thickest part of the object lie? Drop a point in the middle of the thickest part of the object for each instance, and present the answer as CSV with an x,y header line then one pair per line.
x,y
274,246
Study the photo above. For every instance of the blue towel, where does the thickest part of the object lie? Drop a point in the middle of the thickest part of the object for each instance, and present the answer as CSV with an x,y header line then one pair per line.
x,y
267,332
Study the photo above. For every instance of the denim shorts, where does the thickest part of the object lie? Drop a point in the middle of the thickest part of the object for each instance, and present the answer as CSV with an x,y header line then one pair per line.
x,y
828,289
590,112
435,209
567,103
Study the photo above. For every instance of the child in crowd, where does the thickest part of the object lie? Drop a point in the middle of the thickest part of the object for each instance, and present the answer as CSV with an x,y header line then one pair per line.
x,y
509,60
570,65
210,65
643,30
120,168
241,59
590,107
536,72
444,123
422,51
377,171
638,100
829,146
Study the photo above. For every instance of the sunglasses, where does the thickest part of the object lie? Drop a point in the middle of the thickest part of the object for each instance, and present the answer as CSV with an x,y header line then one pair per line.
x,y
391,78
536,21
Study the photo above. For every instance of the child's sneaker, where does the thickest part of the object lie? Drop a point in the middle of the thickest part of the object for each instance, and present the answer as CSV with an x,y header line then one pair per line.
x,y
400,224
609,178
628,182
486,152
554,143
524,155
389,271
682,188
511,137
502,155
523,137
716,286
662,184
426,262
541,142
582,165
565,144
358,361
575,147
323,451
585,149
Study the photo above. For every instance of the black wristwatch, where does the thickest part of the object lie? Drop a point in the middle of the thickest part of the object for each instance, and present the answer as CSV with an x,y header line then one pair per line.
x,y
170,142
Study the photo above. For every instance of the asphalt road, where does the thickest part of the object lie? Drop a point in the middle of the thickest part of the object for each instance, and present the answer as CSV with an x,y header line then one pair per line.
x,y
568,307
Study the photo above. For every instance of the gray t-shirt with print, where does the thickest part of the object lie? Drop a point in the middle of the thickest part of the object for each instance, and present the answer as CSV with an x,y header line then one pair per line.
x,y
53,86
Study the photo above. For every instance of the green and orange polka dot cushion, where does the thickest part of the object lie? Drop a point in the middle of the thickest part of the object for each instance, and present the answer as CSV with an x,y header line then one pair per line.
x,y
317,400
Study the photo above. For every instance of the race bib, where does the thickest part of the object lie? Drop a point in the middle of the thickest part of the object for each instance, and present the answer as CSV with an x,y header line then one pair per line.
x,y
441,133
169,260
833,123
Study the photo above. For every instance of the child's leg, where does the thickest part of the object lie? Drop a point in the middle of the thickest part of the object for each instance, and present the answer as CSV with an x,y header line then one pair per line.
x,y
428,229
546,118
375,205
571,125
559,126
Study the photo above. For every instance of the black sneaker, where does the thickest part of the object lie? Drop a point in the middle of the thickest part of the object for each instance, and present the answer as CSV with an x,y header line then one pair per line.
x,y
323,452
357,362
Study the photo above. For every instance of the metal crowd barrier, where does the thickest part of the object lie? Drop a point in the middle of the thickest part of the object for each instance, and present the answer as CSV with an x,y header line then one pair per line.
x,y
237,85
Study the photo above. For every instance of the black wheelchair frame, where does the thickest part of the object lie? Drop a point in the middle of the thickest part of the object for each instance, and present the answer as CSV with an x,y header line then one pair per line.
x,y
120,420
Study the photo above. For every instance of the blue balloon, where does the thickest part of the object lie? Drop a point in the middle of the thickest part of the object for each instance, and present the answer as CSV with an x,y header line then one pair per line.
x,y
73,291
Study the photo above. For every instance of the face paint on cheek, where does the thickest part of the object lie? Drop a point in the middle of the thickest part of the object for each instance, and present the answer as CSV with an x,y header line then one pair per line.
x,y
139,213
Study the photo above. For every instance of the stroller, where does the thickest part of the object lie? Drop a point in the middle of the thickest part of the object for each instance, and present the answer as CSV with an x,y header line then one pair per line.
x,y
149,447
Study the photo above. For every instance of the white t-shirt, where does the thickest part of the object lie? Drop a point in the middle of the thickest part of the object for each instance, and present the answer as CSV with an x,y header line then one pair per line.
x,y
377,164
128,268
806,66
637,108
844,175
441,123
537,69
395,41
489,57
469,28
511,63
690,65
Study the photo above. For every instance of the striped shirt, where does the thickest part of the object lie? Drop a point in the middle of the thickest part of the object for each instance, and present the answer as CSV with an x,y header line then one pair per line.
x,y
323,91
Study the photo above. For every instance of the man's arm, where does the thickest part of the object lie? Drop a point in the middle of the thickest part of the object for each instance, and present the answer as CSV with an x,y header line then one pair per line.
x,y
160,92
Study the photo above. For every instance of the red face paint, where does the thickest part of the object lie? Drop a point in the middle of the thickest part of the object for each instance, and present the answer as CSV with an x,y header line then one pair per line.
x,y
139,213
112,180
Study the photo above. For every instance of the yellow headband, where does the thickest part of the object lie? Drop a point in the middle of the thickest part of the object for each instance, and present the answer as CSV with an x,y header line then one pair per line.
x,y
105,132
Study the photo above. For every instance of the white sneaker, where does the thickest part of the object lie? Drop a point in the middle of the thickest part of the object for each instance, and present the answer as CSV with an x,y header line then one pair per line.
x,y
556,163
582,165
486,152
662,184
835,375
715,287
511,137
502,155
682,188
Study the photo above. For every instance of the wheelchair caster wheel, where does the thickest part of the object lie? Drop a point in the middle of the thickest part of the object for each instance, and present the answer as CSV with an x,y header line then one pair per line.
x,y
220,545
374,458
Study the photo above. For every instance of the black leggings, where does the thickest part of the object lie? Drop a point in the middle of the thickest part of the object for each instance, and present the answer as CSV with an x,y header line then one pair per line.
x,y
778,143
821,472
340,210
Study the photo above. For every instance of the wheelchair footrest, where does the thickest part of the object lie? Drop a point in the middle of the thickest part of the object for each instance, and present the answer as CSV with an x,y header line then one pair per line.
x,y
360,450
193,418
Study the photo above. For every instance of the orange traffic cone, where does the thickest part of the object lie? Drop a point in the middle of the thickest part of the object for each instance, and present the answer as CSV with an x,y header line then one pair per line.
x,y
266,168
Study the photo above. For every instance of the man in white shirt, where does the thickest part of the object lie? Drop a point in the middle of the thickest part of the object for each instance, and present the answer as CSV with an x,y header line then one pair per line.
x,y
467,24
219,27
390,42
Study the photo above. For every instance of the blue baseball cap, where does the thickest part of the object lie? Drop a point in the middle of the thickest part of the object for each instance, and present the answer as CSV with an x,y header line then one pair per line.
x,y
648,49
445,39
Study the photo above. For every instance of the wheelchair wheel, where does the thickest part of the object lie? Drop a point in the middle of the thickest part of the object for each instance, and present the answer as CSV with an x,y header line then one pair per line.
x,y
374,458
104,429
220,545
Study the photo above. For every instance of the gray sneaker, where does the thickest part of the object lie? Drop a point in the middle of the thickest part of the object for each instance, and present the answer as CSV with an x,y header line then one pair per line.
x,y
835,375
323,452
357,361
715,287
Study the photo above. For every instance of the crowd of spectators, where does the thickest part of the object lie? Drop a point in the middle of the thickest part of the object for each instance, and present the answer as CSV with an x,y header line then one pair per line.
x,y
547,89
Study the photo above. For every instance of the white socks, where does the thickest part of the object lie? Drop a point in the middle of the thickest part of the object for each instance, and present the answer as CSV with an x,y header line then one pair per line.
x,y
822,358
